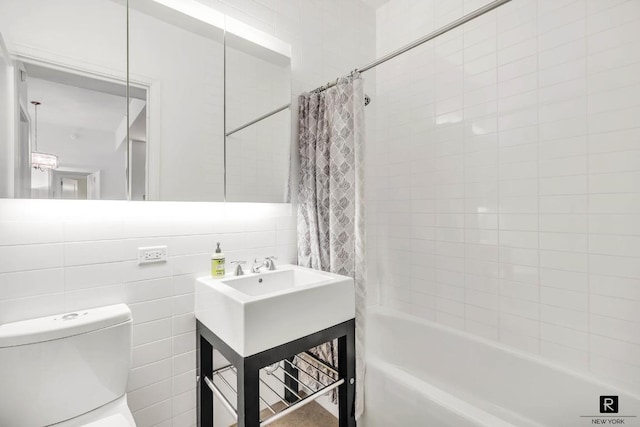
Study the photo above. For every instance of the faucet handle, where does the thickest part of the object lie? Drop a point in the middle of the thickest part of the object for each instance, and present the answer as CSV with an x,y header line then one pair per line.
x,y
238,270
269,262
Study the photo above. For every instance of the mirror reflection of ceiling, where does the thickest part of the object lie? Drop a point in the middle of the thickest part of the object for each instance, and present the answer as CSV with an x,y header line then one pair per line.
x,y
84,82
71,106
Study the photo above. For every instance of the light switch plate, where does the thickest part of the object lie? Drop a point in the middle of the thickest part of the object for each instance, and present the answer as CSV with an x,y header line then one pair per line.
x,y
152,254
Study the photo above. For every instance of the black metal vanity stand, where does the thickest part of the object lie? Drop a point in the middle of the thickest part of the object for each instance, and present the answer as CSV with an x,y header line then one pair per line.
x,y
247,371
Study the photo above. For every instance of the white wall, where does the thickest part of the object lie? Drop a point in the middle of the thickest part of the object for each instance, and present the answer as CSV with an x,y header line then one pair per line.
x,y
113,183
138,170
258,160
60,255
92,150
6,120
22,134
187,119
507,171
326,35
257,156
254,85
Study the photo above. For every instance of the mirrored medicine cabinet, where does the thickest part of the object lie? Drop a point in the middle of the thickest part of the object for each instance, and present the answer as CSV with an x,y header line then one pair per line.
x,y
117,100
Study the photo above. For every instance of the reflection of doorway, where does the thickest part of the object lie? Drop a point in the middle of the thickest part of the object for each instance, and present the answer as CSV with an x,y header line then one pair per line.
x,y
138,153
73,188
83,121
76,185
22,157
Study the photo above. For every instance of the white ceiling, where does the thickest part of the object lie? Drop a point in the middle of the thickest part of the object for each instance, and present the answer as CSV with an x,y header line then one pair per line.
x,y
75,107
83,81
375,3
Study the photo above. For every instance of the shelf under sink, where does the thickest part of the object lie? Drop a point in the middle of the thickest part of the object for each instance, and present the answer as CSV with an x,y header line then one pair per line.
x,y
223,384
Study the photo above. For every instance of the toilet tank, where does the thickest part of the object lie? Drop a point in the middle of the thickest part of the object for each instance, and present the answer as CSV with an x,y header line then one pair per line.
x,y
58,367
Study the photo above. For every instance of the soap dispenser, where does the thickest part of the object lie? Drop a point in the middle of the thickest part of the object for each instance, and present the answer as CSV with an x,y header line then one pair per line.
x,y
217,263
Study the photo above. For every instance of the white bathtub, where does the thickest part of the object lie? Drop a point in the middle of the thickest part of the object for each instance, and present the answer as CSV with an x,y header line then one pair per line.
x,y
423,374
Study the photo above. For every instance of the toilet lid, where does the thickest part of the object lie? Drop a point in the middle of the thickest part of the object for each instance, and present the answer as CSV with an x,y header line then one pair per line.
x,y
116,420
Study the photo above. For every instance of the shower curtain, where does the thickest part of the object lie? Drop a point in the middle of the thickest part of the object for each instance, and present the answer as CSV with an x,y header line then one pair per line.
x,y
331,235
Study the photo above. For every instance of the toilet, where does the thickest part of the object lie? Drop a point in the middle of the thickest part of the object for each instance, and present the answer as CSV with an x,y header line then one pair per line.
x,y
67,370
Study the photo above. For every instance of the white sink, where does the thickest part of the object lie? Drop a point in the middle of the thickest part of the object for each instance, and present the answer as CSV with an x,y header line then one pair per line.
x,y
256,312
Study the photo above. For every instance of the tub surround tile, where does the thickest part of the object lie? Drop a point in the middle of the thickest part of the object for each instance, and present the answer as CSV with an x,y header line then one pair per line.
x,y
536,142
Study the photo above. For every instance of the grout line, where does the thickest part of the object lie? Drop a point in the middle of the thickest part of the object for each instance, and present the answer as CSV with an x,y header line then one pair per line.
x,y
538,267
464,178
636,344
500,325
588,170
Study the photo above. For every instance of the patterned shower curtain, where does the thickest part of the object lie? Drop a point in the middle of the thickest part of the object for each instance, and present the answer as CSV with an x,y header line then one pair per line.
x,y
331,234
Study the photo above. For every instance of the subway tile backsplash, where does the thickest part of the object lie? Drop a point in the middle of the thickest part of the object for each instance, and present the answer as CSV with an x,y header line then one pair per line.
x,y
504,176
85,255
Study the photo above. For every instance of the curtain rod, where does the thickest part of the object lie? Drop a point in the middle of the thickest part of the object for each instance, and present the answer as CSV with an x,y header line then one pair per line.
x,y
440,31
254,121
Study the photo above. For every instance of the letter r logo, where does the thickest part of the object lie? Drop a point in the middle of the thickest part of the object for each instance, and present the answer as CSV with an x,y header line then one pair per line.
x,y
608,404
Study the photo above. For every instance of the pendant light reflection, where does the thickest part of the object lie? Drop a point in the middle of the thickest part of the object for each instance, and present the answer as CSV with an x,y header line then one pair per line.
x,y
41,161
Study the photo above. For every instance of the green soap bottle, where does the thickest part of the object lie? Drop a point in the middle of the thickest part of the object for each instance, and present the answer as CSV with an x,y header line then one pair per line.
x,y
217,263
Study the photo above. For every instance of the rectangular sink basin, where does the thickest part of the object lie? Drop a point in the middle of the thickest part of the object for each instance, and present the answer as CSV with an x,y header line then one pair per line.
x,y
259,311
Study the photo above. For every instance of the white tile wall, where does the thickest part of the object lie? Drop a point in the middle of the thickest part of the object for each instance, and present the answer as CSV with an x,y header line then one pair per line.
x,y
84,255
328,37
505,165
57,256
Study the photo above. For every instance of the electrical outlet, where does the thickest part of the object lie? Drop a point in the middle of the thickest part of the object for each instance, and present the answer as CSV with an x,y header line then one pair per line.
x,y
152,254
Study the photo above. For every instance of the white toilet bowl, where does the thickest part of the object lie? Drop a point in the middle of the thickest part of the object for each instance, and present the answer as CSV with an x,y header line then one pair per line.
x,y
67,370
113,414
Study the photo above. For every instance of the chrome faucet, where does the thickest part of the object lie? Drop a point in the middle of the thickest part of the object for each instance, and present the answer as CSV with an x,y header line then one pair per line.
x,y
266,263
257,265
238,269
